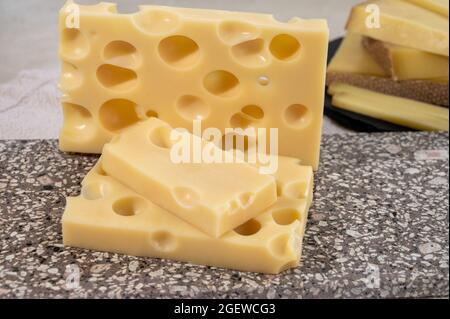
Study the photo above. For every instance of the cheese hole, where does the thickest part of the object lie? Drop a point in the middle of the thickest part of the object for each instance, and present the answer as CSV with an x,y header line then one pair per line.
x,y
78,122
121,53
288,265
94,191
116,78
192,108
284,47
297,115
253,111
186,196
251,53
238,120
286,216
240,142
264,80
163,241
100,171
129,206
156,22
151,114
117,114
234,32
249,228
245,200
74,44
70,77
295,190
179,51
221,83
160,136
281,245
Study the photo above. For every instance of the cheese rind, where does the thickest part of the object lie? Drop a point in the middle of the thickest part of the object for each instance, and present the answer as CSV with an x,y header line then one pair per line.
x,y
353,65
413,114
181,64
404,24
403,63
214,197
270,243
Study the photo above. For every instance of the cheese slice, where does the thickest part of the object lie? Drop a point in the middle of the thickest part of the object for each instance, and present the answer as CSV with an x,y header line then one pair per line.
x,y
214,197
230,69
403,63
437,6
109,216
401,23
352,64
413,114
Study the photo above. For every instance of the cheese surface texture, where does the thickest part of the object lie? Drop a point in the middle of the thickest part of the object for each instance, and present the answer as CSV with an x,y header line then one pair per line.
x,y
413,114
108,216
403,63
402,23
215,197
438,6
228,69
354,65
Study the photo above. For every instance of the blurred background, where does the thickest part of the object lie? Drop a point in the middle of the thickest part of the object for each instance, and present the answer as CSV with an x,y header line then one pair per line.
x,y
29,27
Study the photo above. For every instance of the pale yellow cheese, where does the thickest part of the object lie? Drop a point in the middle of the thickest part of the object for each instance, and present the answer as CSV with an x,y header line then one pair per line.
x,y
351,57
403,63
352,64
401,23
413,114
183,64
214,197
108,216
438,6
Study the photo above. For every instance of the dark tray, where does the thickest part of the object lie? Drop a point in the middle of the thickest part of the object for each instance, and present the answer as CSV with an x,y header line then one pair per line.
x,y
352,120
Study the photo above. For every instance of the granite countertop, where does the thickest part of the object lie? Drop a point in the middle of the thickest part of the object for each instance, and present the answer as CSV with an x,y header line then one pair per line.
x,y
378,228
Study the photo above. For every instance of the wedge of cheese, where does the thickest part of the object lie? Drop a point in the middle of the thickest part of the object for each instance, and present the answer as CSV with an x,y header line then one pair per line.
x,y
401,23
109,216
214,197
229,69
402,63
413,114
353,65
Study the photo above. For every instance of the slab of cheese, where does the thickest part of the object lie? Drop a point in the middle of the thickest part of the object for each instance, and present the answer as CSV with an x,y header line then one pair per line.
x,y
437,6
409,113
109,216
401,23
214,197
353,65
403,63
229,69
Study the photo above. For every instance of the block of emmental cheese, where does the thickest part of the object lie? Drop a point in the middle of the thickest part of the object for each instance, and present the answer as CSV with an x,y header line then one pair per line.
x,y
109,216
437,6
215,197
353,65
409,113
229,69
401,23
402,63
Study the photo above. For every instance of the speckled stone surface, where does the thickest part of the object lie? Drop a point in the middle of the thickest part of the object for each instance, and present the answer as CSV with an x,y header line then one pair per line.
x,y
378,228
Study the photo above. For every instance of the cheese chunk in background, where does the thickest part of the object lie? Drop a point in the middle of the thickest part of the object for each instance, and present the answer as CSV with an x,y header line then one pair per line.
x,y
229,69
353,65
108,216
214,197
437,6
409,113
402,23
403,63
